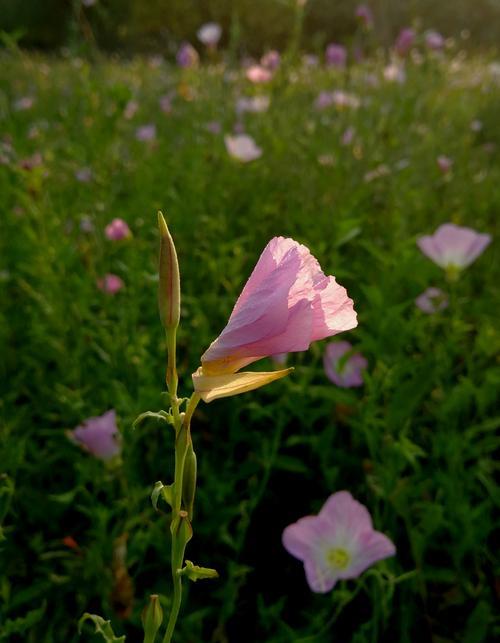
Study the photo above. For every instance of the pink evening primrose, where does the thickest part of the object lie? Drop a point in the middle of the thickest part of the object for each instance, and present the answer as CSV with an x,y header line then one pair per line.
x,y
432,301
404,41
99,435
336,55
453,246
258,74
287,303
209,34
242,148
348,372
110,284
117,230
337,544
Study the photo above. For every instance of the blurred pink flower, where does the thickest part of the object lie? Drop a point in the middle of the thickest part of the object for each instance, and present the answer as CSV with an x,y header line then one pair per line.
x,y
271,60
24,103
434,40
187,56
336,55
453,246
258,74
286,304
110,284
214,127
404,41
339,98
432,301
31,162
365,15
348,136
346,373
83,174
395,73
116,230
337,544
130,109
380,171
99,436
166,103
255,104
146,132
209,34
444,163
242,147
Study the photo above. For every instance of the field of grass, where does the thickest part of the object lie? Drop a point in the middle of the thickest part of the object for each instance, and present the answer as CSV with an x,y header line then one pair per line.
x,y
357,183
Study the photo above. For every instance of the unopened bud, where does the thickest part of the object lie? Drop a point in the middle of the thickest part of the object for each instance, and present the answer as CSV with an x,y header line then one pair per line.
x,y
189,480
152,617
169,290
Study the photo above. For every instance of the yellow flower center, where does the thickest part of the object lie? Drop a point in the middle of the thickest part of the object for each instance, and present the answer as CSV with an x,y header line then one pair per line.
x,y
338,558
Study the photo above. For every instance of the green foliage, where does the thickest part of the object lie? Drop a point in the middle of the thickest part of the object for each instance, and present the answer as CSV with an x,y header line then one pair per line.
x,y
418,443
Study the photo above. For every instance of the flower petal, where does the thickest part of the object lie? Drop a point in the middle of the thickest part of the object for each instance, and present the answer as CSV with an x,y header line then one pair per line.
x,y
213,387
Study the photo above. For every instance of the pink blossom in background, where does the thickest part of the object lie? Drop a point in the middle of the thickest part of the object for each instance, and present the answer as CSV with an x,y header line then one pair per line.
x,y
214,127
339,98
395,73
146,133
166,103
130,109
110,284
258,74
287,303
31,162
404,41
271,60
83,174
365,15
209,34
380,171
99,436
346,373
24,103
434,40
336,55
187,56
254,104
242,147
432,301
453,246
348,136
337,544
444,163
117,230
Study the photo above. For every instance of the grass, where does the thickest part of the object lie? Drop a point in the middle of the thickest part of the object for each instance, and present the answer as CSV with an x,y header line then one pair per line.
x,y
416,444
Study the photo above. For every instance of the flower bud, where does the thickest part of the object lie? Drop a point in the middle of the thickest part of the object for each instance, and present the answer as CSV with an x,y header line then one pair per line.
x,y
169,290
152,617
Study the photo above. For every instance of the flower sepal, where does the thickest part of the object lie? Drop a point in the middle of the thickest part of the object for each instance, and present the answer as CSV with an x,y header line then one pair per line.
x,y
213,387
195,572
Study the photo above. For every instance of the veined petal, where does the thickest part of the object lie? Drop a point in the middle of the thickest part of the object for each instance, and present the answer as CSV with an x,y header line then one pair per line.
x,y
213,387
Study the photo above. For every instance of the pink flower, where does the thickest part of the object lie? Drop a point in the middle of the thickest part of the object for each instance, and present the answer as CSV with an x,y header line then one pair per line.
x,y
338,98
83,174
434,40
146,133
209,34
444,163
365,15
166,103
131,109
432,301
271,60
24,103
344,372
254,104
99,435
337,544
258,74
348,136
110,284
242,148
336,55
453,246
286,304
116,230
404,41
395,73
187,56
